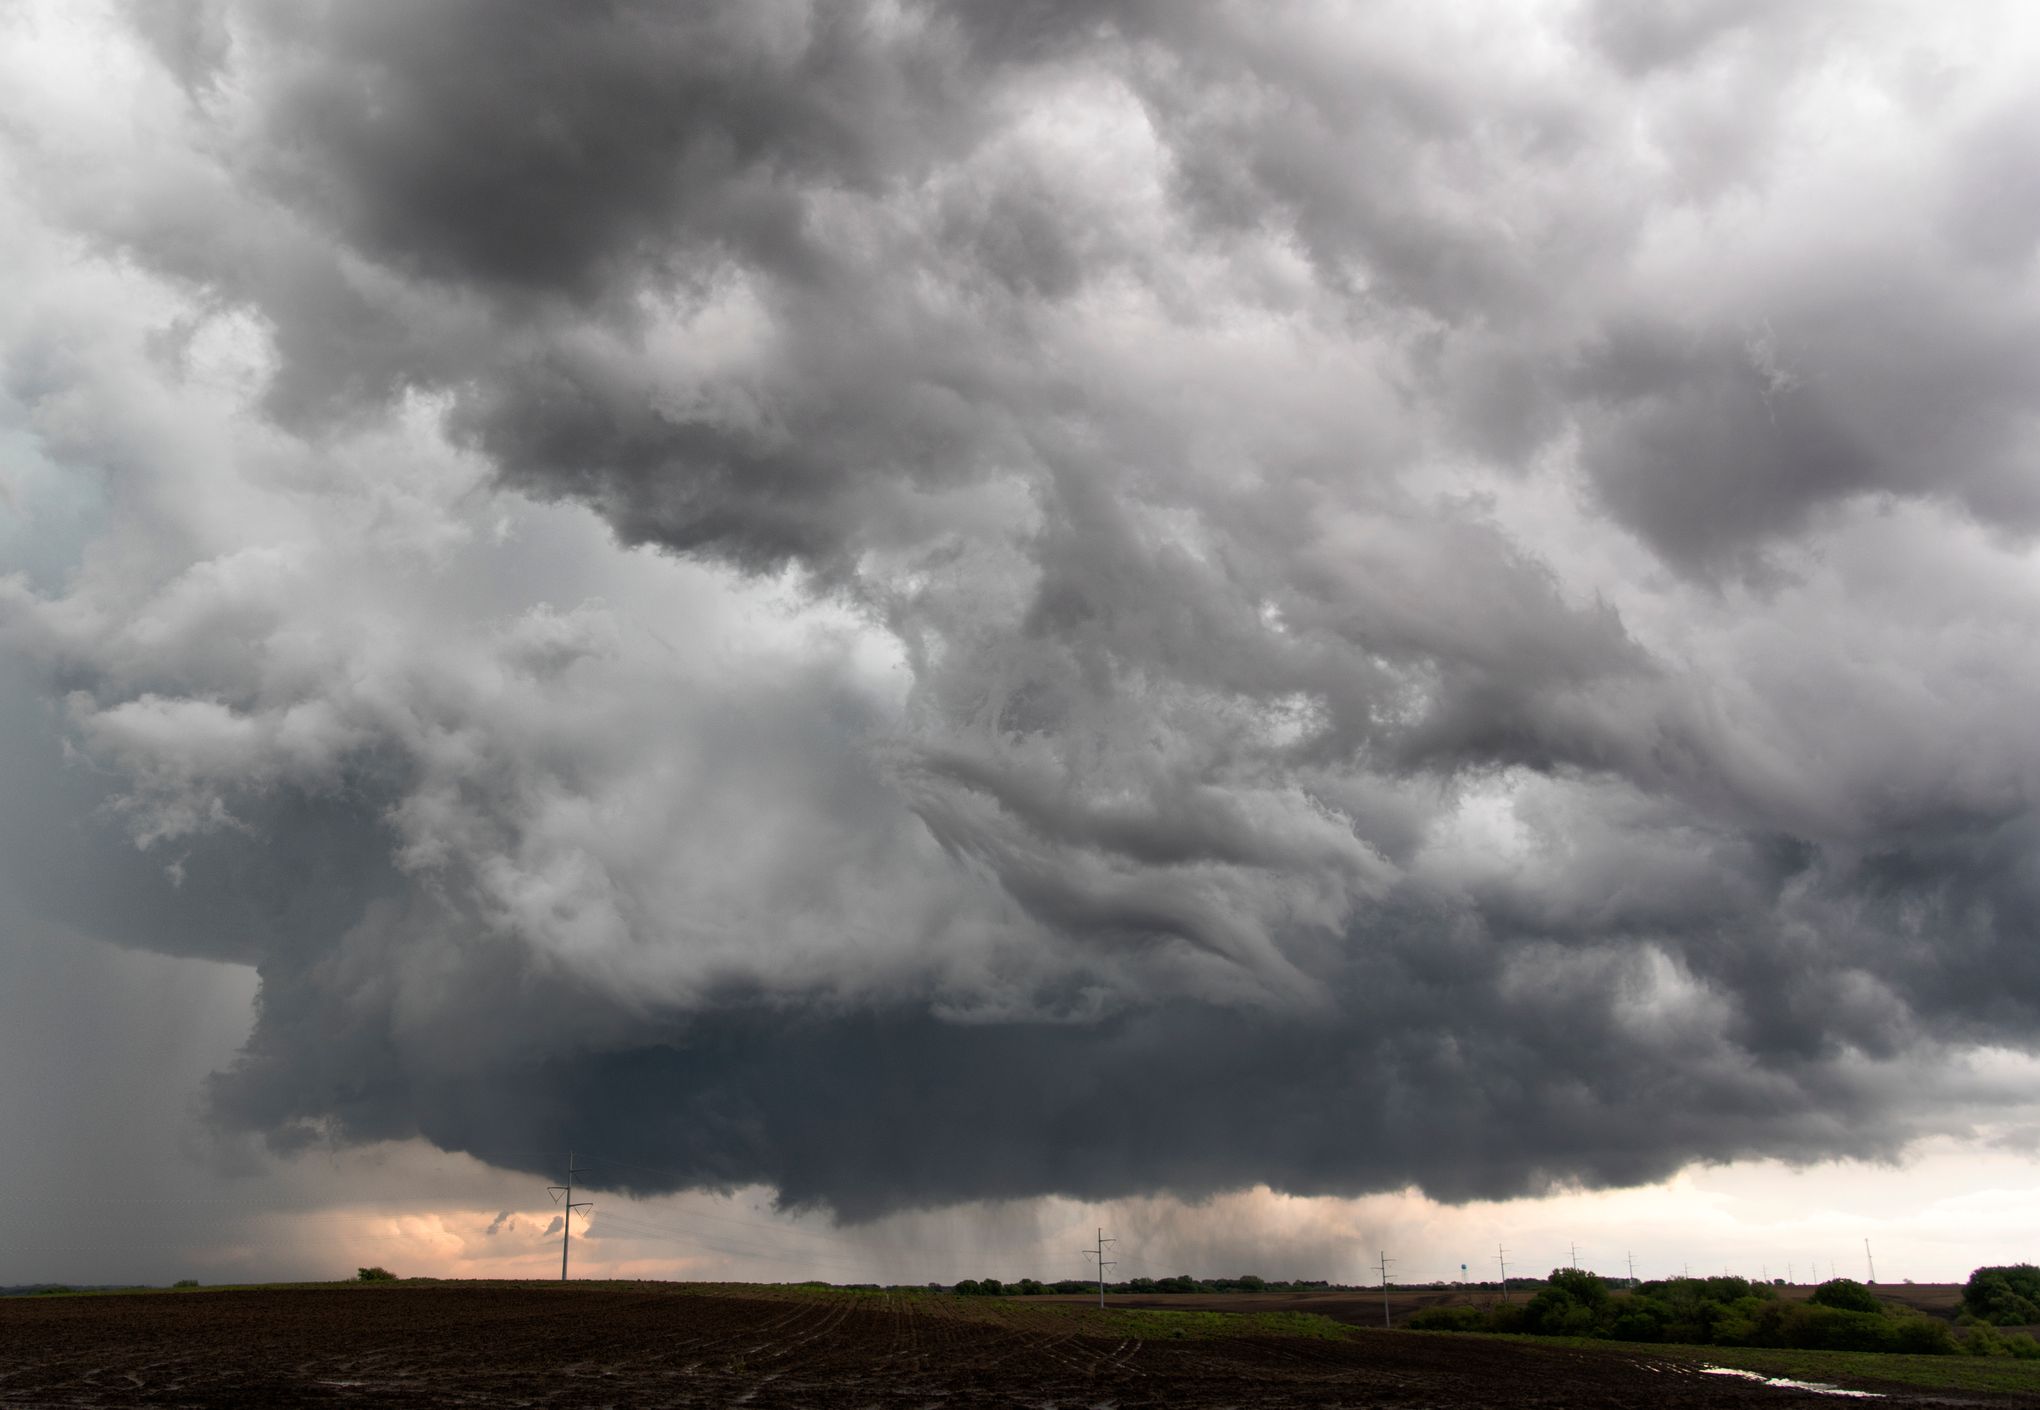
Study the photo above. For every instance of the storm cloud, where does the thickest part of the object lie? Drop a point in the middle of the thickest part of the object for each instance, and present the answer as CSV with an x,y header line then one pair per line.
x,y
923,603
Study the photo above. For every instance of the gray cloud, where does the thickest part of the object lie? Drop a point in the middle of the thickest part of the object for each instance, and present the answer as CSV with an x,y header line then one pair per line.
x,y
915,605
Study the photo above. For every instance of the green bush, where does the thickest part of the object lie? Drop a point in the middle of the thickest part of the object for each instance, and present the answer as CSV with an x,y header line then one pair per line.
x,y
1925,1336
1986,1340
2004,1296
1555,1312
1638,1319
1711,1311
1848,1295
1587,1289
1462,1318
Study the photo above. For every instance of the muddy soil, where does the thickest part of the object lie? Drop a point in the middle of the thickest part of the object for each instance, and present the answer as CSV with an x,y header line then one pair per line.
x,y
668,1345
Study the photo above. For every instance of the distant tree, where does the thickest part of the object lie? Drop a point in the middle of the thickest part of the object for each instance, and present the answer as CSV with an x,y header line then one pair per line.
x,y
969,1287
185,1283
1848,1295
374,1275
1588,1289
1567,1304
2004,1296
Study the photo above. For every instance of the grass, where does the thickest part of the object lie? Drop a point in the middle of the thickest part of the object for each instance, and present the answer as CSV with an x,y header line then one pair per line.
x,y
1867,1370
1155,1324
1988,1373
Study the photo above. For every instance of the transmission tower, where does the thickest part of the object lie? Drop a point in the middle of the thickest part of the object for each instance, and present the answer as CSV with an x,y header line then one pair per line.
x,y
1871,1261
1384,1289
567,1211
1632,1269
1502,1257
1103,1262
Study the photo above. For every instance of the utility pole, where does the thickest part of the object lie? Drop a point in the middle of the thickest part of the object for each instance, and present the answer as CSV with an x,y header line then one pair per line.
x,y
1632,1270
1871,1261
1788,1275
1103,1263
1384,1290
1502,1257
567,1212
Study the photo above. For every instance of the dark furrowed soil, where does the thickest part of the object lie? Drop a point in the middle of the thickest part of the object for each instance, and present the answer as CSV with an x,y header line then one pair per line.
x,y
664,1345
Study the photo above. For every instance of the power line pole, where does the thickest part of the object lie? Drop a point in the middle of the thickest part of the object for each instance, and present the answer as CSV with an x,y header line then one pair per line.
x,y
1869,1260
1574,1256
1103,1263
1632,1269
567,1212
1502,1257
1384,1290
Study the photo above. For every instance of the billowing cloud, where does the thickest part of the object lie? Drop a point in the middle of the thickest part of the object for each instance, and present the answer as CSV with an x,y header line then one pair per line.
x,y
915,604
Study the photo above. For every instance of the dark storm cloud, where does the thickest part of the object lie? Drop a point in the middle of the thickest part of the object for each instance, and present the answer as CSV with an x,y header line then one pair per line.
x,y
1417,558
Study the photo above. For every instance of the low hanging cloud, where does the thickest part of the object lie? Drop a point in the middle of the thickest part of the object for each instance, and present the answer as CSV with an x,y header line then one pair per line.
x,y
926,603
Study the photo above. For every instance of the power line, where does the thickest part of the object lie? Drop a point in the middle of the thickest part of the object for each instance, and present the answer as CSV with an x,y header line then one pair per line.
x,y
1103,1263
567,1212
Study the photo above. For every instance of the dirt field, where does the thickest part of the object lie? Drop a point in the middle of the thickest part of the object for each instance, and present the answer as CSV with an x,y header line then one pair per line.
x,y
1363,1309
629,1345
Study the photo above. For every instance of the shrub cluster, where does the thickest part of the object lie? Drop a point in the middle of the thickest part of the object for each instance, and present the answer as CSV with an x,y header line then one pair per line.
x,y
2007,1296
1842,1315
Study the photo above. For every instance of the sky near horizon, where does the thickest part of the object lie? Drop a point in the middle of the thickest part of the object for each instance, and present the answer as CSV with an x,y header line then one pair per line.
x,y
1296,628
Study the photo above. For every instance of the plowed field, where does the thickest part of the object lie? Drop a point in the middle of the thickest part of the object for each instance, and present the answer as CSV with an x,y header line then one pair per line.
x,y
669,1345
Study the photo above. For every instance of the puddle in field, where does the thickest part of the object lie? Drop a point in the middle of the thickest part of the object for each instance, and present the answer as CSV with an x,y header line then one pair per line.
x,y
1787,1383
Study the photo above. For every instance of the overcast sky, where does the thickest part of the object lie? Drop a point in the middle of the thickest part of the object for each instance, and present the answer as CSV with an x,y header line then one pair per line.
x,y
925,624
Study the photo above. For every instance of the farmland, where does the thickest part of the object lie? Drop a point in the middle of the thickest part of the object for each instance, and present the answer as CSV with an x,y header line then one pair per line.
x,y
654,1344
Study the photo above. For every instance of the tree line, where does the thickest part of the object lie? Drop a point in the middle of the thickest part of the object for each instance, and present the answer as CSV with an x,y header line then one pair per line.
x,y
1841,1314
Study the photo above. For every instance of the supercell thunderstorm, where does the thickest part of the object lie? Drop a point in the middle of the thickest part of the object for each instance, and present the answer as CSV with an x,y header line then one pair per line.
x,y
921,602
